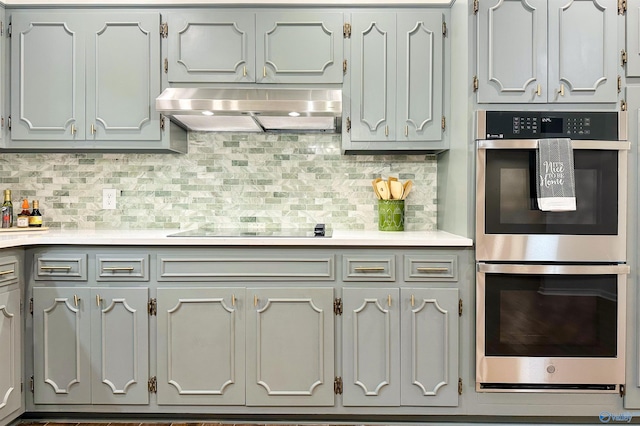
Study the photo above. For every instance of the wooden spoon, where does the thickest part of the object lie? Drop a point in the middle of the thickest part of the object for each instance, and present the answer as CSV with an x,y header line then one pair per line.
x,y
407,188
396,189
375,189
383,189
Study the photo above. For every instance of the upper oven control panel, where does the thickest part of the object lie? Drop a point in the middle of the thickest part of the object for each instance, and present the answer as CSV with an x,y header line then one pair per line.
x,y
542,124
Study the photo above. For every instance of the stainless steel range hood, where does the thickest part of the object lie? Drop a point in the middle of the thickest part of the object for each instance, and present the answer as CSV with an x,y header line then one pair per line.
x,y
253,110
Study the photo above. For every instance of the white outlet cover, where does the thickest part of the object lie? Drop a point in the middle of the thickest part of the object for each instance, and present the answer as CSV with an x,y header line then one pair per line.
x,y
108,199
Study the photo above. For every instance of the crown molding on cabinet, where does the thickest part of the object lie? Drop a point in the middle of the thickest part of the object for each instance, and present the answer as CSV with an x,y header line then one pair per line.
x,y
226,2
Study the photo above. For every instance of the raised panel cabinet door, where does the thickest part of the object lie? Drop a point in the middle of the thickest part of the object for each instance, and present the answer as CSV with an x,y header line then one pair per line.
x,y
62,345
420,76
120,345
633,38
429,333
216,47
290,346
299,47
373,77
201,346
512,51
123,77
583,51
371,347
10,353
47,77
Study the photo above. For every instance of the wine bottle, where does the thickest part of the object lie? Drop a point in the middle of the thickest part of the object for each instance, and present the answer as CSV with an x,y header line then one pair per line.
x,y
7,210
35,220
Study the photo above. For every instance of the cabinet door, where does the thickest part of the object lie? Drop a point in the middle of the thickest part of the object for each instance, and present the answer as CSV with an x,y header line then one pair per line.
x,y
10,353
123,77
429,333
290,346
216,47
120,346
371,347
633,38
583,51
299,47
373,81
512,51
419,76
201,365
62,345
47,76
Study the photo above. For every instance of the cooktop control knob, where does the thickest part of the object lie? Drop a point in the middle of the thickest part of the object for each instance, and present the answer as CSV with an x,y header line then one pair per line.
x,y
551,369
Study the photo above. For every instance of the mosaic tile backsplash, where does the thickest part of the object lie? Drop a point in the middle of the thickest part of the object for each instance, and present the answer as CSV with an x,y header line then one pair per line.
x,y
227,180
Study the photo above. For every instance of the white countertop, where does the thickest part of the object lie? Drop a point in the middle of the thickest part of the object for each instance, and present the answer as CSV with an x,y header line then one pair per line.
x,y
160,238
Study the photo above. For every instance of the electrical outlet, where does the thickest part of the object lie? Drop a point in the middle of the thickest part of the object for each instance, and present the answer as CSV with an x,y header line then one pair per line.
x,y
109,199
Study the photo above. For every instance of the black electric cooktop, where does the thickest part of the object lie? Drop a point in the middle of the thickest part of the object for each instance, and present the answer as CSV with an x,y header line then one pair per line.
x,y
318,231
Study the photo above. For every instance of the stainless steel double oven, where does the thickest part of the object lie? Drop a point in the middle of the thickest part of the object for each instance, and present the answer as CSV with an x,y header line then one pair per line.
x,y
551,286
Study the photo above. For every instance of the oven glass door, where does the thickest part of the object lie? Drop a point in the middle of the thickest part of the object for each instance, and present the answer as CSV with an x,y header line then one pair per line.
x,y
510,195
551,315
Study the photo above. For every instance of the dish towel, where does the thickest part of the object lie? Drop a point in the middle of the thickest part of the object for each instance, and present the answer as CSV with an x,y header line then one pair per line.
x,y
556,187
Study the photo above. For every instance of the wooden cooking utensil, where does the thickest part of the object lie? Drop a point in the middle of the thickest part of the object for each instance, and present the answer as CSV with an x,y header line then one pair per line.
x,y
375,189
407,188
383,189
396,189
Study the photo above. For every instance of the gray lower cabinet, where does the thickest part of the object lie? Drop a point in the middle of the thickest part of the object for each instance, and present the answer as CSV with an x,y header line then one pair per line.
x,y
10,352
633,38
400,346
90,345
263,47
74,85
201,346
397,81
290,346
547,51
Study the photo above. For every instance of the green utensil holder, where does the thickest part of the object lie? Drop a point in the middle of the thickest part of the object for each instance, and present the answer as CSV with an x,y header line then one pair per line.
x,y
391,215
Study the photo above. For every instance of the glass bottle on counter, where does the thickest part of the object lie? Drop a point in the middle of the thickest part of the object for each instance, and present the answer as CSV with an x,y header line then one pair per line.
x,y
23,217
7,210
35,219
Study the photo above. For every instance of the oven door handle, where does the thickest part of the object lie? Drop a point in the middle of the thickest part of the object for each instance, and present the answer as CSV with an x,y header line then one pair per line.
x,y
547,269
533,144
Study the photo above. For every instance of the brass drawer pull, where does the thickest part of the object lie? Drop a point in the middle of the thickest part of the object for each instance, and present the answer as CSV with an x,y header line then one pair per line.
x,y
7,272
233,300
433,269
255,300
55,268
98,300
389,300
76,300
118,268
369,269
413,300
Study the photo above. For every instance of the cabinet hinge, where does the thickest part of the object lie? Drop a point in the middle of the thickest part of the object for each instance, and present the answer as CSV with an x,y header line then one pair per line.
x,y
9,27
346,30
476,6
337,385
619,84
459,386
623,390
444,28
460,307
9,123
337,306
475,83
623,105
344,66
1,28
162,123
622,7
164,30
21,386
153,385
152,306
166,65
348,124
2,123
444,122
623,57
31,384
31,306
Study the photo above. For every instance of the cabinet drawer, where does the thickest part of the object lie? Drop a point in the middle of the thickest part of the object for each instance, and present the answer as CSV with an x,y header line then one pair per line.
x,y
369,268
124,268
307,268
9,270
67,267
427,268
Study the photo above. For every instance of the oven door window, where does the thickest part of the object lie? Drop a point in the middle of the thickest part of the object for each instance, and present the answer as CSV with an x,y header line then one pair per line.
x,y
510,195
551,315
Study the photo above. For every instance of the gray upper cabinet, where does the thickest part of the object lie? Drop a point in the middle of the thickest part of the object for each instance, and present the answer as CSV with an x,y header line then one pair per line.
x,y
216,47
633,38
560,51
85,80
397,82
265,47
